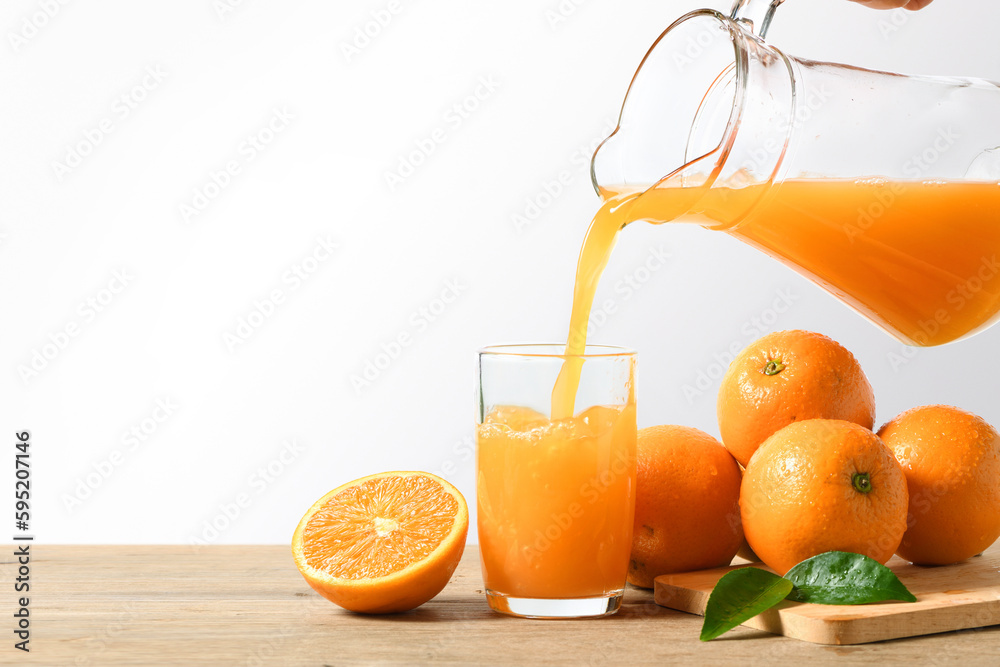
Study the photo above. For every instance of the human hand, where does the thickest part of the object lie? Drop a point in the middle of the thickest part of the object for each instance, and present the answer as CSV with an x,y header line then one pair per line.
x,y
894,4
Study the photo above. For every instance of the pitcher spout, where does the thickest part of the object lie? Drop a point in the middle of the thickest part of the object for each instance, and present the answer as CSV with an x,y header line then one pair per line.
x,y
710,105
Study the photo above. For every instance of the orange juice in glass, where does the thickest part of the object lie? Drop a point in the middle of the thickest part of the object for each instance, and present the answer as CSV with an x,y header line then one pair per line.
x,y
556,497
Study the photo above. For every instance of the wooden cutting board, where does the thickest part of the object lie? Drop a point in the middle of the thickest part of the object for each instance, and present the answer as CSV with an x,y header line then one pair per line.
x,y
952,597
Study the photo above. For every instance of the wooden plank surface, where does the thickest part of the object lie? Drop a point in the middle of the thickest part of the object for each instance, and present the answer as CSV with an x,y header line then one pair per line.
x,y
954,597
248,605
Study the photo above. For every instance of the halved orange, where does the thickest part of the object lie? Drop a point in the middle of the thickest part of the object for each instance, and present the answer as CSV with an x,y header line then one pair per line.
x,y
384,543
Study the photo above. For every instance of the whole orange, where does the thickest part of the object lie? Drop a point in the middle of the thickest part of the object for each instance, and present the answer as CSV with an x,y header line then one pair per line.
x,y
951,459
822,485
790,376
687,514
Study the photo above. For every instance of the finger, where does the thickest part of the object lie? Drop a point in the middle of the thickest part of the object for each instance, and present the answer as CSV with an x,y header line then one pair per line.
x,y
882,4
894,4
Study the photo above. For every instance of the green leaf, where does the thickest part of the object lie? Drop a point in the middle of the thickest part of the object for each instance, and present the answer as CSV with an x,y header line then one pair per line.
x,y
739,596
838,577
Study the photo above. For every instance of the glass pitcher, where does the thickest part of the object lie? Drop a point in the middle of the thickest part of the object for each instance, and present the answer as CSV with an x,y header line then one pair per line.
x,y
883,189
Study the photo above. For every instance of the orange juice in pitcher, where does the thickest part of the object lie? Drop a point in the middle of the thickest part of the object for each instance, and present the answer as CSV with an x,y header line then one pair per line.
x,y
883,189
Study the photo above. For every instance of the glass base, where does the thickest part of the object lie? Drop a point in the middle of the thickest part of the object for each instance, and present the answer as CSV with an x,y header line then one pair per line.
x,y
595,607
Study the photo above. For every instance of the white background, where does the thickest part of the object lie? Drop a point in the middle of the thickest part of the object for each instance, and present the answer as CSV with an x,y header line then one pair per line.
x,y
555,88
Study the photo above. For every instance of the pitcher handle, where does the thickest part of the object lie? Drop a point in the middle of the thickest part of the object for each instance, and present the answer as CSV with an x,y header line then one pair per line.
x,y
756,15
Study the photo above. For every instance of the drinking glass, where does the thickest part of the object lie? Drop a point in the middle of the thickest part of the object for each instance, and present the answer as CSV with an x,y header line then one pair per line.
x,y
556,498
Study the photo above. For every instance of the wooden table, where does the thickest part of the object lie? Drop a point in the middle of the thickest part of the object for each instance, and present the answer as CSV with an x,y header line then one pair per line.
x,y
248,605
